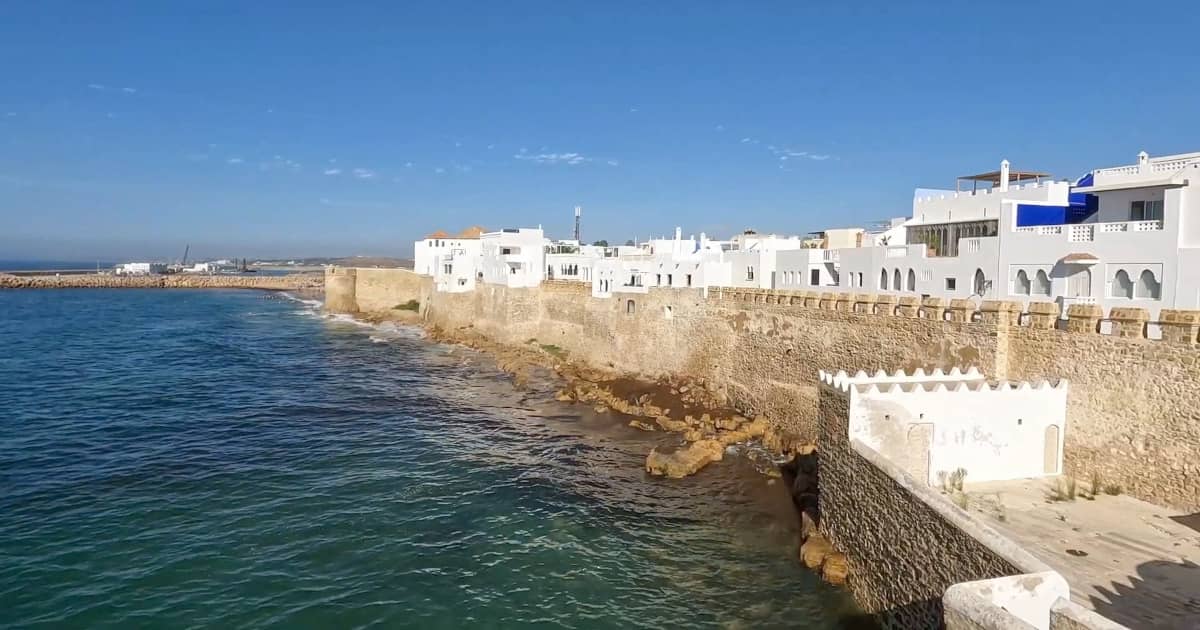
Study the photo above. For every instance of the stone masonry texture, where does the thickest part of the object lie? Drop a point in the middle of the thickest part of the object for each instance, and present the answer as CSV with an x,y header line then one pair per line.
x,y
1133,413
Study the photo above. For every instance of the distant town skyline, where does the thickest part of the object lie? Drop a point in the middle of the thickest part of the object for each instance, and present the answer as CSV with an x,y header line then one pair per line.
x,y
271,130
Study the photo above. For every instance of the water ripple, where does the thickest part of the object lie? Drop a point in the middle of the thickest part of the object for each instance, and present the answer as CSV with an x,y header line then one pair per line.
x,y
220,459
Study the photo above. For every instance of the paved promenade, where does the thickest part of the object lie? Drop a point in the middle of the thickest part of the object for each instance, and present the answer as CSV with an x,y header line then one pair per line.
x,y
1133,562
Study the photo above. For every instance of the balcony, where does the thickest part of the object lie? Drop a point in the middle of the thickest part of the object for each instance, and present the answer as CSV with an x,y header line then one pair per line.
x,y
1086,232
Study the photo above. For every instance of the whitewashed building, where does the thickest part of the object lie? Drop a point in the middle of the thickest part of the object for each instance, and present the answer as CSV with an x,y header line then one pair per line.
x,y
140,268
935,424
513,257
453,261
1123,236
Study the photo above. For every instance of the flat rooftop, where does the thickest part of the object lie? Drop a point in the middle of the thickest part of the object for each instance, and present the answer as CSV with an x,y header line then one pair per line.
x,y
1134,562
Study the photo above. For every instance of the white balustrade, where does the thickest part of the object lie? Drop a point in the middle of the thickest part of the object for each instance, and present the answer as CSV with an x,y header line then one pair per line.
x,y
1081,233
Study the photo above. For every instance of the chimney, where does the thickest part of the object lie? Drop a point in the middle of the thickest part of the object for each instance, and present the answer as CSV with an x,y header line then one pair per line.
x,y
1004,175
578,213
1143,162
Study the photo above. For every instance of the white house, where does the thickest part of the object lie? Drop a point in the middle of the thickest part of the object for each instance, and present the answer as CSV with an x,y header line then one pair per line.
x,y
513,257
1123,236
140,269
935,424
453,261
753,259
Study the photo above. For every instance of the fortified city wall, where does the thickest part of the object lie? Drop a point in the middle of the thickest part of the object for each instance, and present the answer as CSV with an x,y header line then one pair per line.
x,y
1133,412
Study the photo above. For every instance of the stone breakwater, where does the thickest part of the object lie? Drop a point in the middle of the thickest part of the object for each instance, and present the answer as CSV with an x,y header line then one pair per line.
x,y
291,282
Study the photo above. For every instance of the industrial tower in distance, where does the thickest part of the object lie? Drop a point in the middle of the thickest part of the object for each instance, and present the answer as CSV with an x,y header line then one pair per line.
x,y
578,234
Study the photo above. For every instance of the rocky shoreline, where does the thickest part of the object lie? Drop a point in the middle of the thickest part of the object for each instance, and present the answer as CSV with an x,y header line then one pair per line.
x,y
290,282
706,423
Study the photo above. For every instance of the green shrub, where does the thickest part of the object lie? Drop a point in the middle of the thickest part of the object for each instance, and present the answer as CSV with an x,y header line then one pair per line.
x,y
411,305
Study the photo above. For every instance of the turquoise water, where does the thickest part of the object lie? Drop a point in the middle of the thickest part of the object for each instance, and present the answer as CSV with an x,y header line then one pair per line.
x,y
175,458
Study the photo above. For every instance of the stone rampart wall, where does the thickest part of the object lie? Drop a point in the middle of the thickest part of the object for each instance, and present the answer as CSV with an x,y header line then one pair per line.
x,y
385,289
1132,410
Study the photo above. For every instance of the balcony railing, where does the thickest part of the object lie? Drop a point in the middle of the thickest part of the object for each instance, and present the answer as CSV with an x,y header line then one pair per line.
x,y
1086,232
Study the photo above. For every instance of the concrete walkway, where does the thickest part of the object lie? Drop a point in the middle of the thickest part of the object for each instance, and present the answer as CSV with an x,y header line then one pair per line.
x,y
1133,562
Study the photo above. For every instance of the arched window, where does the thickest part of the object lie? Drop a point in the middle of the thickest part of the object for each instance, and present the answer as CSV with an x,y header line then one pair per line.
x,y
883,280
896,280
1021,285
1147,287
1041,284
912,280
629,307
1122,285
980,283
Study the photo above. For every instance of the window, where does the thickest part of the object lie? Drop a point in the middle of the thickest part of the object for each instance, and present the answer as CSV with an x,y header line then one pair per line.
x,y
749,273
883,280
446,269
1021,284
1122,286
896,280
951,284
1150,210
670,278
1148,287
504,251
462,282
912,280
629,307
980,284
689,279
658,279
814,277
1041,284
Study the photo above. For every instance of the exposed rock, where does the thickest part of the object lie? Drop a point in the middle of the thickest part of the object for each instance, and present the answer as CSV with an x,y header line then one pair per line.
x,y
600,409
835,568
684,461
638,424
814,550
671,425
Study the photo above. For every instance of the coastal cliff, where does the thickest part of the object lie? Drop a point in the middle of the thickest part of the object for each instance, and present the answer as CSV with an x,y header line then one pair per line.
x,y
290,282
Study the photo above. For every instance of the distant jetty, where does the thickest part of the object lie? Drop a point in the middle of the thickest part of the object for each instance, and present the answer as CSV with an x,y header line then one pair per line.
x,y
290,282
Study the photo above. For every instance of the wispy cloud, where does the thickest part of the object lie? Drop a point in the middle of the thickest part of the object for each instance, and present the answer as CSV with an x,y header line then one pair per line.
x,y
364,173
570,159
784,154
333,171
439,170
235,160
613,163
279,162
100,87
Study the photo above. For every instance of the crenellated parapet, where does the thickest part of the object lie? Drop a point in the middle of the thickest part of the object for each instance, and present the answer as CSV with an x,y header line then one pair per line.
x,y
1175,326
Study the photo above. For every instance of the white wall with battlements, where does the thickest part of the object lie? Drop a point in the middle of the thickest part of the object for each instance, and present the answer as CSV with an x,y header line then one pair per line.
x,y
943,422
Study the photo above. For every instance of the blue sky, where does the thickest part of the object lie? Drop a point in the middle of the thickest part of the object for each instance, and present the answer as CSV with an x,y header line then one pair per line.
x,y
303,128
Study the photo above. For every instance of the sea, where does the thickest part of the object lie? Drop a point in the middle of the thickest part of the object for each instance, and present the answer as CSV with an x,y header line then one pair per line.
x,y
237,459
